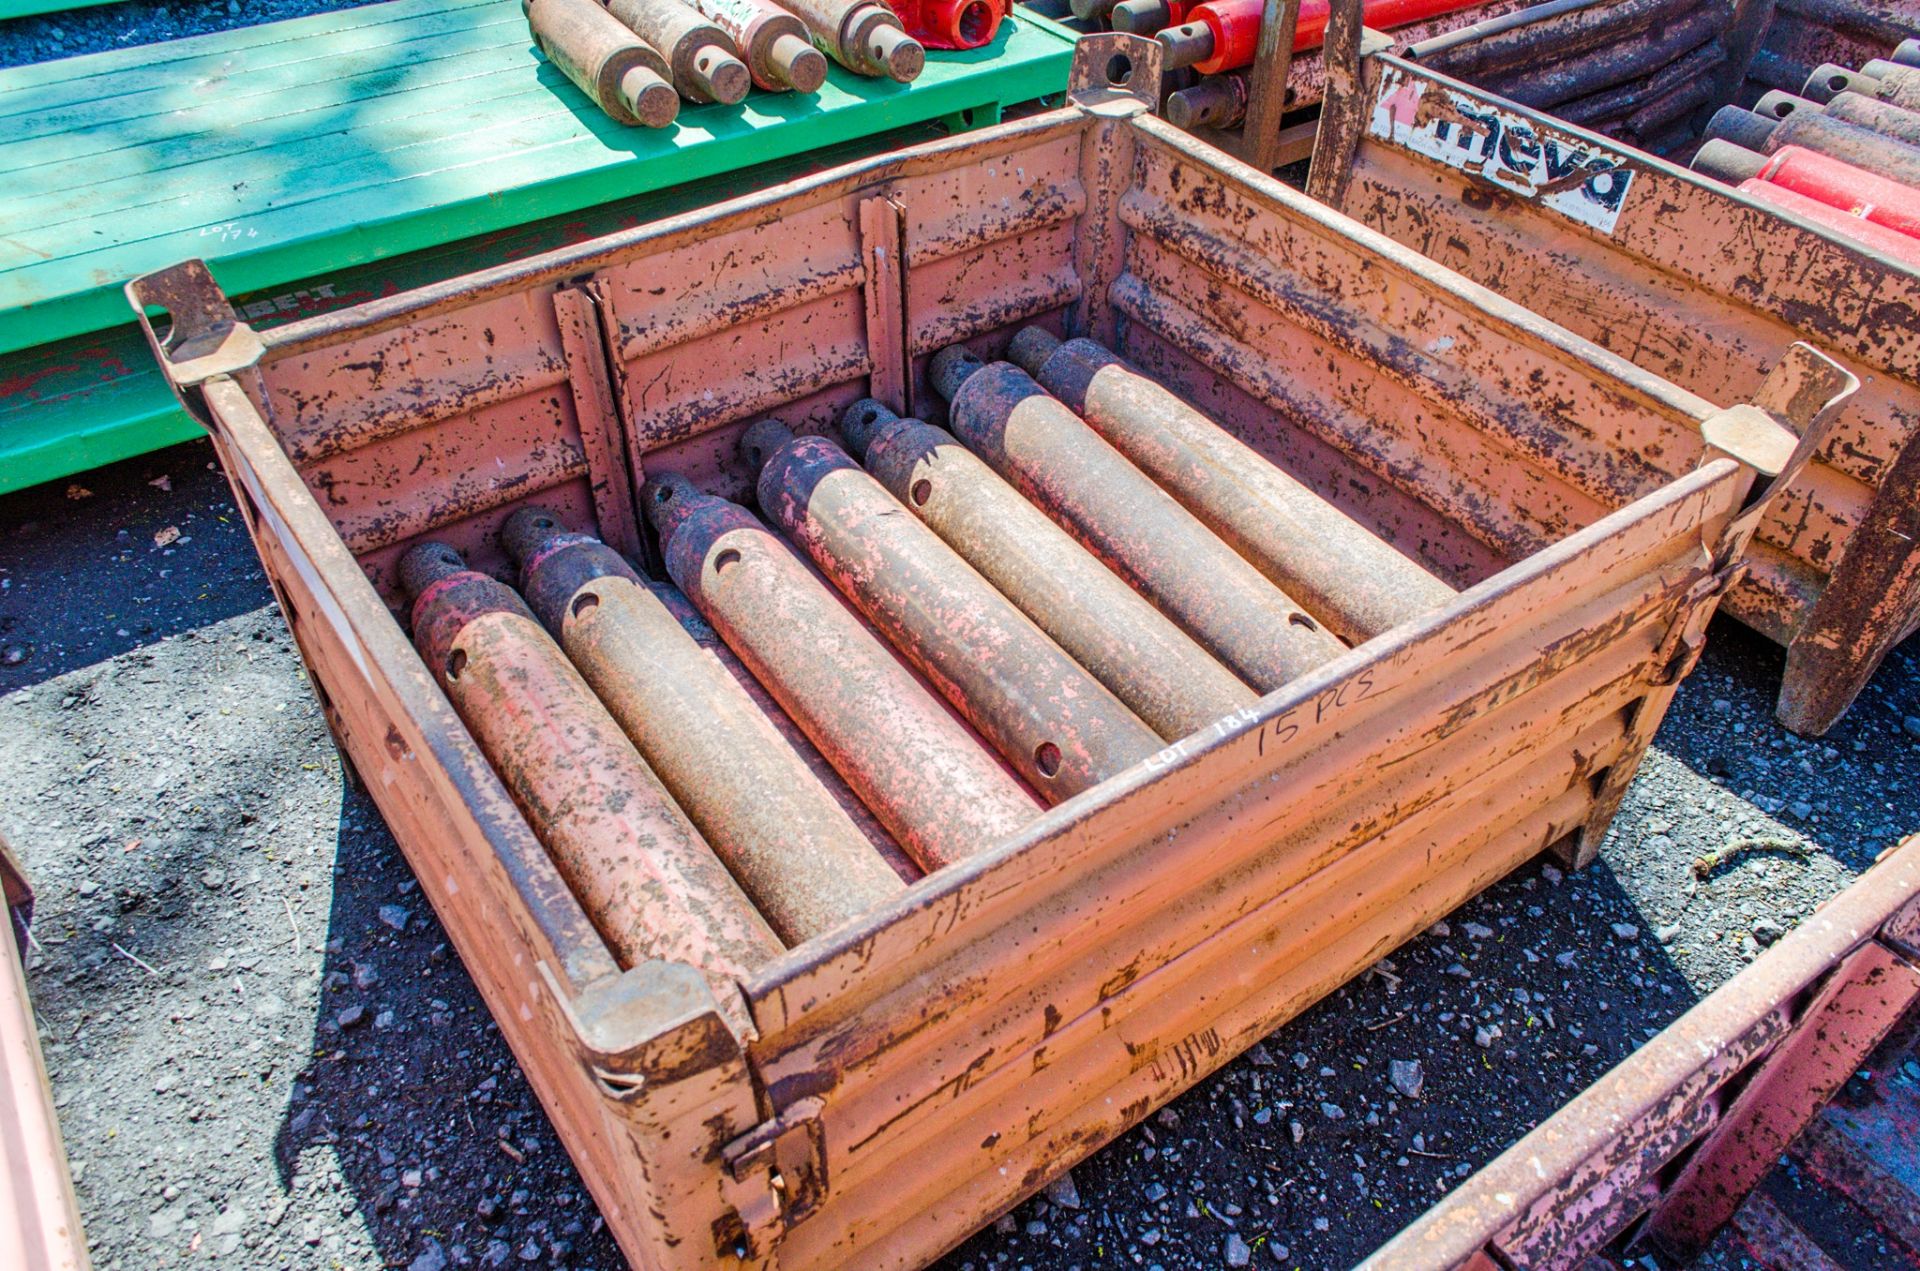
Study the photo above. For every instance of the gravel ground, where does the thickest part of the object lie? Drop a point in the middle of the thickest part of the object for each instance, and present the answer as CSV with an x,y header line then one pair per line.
x,y
94,30
259,1039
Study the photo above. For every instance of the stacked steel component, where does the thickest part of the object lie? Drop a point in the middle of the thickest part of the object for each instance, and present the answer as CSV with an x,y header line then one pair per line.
x,y
638,58
792,847
1140,531
1843,153
928,778
1639,70
928,642
653,886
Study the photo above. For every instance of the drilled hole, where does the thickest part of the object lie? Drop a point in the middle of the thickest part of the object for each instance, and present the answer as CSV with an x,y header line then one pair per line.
x,y
1047,758
974,21
663,494
725,559
1782,109
450,557
585,603
869,413
1301,620
921,492
456,663
542,522
1119,69
1836,82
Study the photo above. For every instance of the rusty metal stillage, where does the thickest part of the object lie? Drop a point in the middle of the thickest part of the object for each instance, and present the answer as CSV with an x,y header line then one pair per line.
x,y
1694,280
872,1094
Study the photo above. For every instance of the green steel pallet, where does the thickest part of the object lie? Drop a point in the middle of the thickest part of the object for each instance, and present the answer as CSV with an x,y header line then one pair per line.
x,y
290,152
89,400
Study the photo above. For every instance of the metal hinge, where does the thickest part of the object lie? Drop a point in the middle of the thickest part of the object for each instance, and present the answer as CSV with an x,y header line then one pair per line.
x,y
780,1171
1680,648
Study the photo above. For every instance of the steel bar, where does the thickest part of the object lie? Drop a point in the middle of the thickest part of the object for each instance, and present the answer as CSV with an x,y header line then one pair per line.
x,y
1850,143
1557,32
1618,101
1061,463
703,60
624,75
1047,716
1218,101
862,35
1349,578
1149,17
1894,82
773,42
1828,80
1645,52
934,785
798,855
650,883
1908,54
1128,645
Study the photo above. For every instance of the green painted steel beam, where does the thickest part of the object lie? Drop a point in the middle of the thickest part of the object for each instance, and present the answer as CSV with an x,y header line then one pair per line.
x,y
368,133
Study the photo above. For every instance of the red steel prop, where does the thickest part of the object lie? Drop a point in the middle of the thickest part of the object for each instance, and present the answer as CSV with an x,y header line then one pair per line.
x,y
1898,246
1054,458
804,862
1052,721
699,53
1107,627
952,24
773,42
645,876
1349,578
862,35
623,74
1818,177
1850,143
936,787
1221,35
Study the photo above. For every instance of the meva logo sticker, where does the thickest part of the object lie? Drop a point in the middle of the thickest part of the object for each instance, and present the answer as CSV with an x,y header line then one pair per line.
x,y
1572,178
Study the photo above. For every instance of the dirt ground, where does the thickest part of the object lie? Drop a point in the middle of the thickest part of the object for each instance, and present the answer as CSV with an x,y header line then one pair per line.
x,y
265,1055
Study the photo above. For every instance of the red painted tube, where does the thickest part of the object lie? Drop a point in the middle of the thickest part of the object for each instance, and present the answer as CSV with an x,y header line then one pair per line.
x,y
931,782
650,883
1232,27
1107,626
794,850
952,24
1855,191
1143,534
1348,577
1899,246
1052,721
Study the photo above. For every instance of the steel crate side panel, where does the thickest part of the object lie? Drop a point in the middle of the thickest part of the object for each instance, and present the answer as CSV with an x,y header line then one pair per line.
x,y
1008,957
518,929
1694,282
1544,1192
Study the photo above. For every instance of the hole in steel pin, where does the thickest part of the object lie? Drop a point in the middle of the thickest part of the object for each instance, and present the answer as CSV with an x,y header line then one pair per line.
x,y
1836,82
922,491
724,559
542,522
1047,756
449,557
1119,69
1301,620
1782,109
456,663
585,603
663,494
